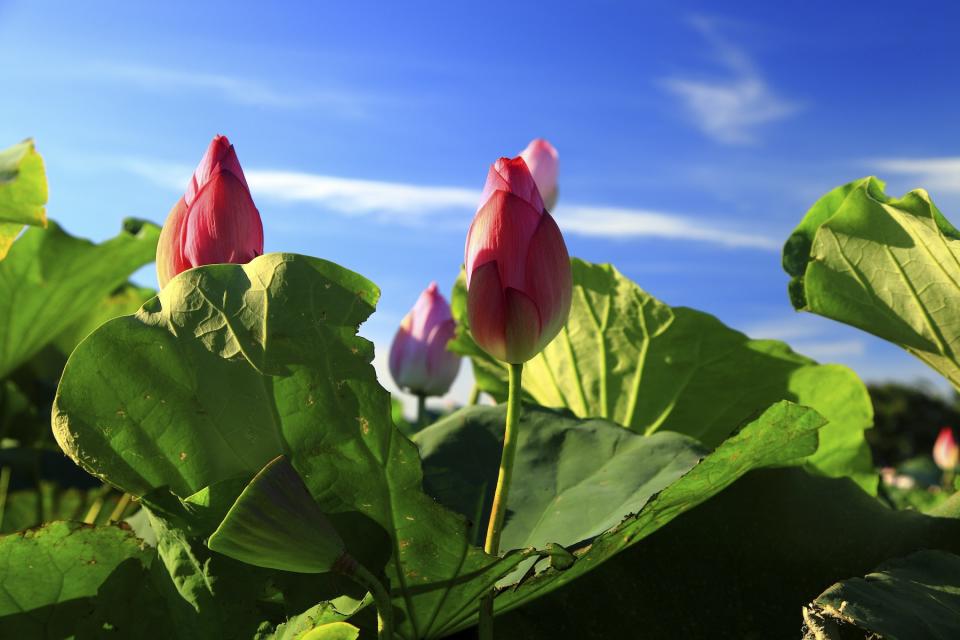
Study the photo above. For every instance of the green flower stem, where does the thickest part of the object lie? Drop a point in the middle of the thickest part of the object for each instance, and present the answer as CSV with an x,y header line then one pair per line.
x,y
474,395
947,480
4,488
421,411
499,509
121,506
381,598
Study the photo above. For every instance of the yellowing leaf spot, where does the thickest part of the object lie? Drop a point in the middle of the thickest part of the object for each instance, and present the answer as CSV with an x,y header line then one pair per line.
x,y
183,456
364,425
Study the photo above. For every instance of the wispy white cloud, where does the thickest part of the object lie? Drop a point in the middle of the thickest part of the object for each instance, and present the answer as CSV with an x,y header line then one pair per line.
x,y
831,350
813,336
729,109
351,196
235,89
788,328
935,174
402,203
611,222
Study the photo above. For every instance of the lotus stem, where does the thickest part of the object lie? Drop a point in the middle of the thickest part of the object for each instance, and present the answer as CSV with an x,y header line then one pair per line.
x,y
118,510
499,509
421,411
94,512
474,395
4,488
381,598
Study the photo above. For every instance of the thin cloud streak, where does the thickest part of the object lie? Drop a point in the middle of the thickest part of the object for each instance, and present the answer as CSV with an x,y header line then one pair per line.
x,y
831,350
351,196
936,174
239,90
610,222
402,203
729,109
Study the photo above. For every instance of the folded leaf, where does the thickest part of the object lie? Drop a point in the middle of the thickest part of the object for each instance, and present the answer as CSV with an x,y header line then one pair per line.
x,y
573,479
912,598
889,266
23,192
275,523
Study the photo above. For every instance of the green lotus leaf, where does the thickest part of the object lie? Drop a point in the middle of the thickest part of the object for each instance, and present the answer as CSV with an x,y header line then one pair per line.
x,y
50,281
627,357
23,192
889,266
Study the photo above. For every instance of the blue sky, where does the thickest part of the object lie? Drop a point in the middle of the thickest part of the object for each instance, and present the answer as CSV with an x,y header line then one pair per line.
x,y
692,136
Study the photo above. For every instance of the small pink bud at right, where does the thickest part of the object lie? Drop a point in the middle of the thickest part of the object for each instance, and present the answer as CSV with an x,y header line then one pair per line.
x,y
544,163
945,451
419,359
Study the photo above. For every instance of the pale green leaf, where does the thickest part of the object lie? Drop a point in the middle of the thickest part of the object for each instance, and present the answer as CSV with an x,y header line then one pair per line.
x,y
23,192
51,280
889,266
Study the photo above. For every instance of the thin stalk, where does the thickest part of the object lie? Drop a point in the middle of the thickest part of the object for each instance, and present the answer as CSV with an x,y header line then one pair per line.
x,y
38,484
381,599
499,509
947,480
474,395
94,512
421,411
4,488
120,508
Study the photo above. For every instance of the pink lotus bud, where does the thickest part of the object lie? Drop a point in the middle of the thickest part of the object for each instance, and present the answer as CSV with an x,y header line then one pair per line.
x,y
519,282
544,163
419,359
215,221
945,451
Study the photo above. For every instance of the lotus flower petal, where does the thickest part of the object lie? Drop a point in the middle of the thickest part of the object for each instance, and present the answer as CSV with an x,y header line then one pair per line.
x,y
549,280
513,175
522,334
222,225
419,359
544,163
486,310
501,232
215,221
945,451
442,364
168,247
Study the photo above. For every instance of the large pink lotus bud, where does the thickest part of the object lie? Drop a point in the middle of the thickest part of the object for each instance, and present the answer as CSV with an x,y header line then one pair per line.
x,y
419,359
544,163
945,451
215,221
519,282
